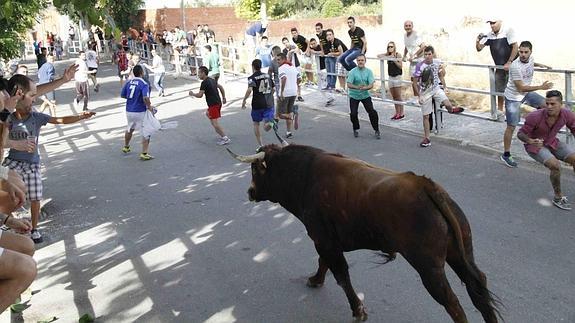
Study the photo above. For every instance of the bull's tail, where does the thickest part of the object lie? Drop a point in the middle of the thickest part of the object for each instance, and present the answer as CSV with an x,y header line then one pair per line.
x,y
483,299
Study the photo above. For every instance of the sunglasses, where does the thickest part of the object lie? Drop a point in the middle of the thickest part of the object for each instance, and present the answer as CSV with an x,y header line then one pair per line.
x,y
390,46
492,22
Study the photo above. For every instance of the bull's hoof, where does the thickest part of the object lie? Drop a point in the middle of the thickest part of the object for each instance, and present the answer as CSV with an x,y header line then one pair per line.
x,y
359,314
314,282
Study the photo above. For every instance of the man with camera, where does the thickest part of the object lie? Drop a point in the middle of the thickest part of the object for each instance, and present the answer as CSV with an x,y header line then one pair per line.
x,y
503,46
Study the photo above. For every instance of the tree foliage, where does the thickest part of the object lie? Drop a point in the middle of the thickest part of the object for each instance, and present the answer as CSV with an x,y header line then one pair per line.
x,y
115,15
249,9
16,18
332,8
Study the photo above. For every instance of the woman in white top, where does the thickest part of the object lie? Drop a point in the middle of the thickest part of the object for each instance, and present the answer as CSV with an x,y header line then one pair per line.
x,y
159,72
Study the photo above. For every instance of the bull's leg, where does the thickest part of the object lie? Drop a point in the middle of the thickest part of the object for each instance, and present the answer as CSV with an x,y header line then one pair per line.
x,y
476,285
436,283
338,265
319,277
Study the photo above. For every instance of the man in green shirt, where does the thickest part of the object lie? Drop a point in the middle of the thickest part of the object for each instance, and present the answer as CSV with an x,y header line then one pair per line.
x,y
213,63
359,81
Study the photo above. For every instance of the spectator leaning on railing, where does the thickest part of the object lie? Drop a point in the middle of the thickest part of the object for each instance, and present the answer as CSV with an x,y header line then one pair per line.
x,y
358,45
413,50
394,71
520,91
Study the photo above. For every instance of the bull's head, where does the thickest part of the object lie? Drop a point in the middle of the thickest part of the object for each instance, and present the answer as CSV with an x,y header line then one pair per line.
x,y
259,190
262,187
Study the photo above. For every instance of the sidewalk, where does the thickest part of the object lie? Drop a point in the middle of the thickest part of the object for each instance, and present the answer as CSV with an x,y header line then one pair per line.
x,y
484,135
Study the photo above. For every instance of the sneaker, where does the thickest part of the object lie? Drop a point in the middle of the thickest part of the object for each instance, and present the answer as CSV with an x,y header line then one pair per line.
x,y
425,143
329,102
356,133
295,117
300,99
146,156
456,110
394,117
36,236
377,135
508,160
126,149
562,203
289,135
224,141
400,117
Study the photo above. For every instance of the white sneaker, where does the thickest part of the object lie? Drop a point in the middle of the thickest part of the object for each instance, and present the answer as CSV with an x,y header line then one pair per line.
x,y
224,141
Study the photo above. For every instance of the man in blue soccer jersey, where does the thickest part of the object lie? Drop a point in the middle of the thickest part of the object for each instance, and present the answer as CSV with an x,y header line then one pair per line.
x,y
137,93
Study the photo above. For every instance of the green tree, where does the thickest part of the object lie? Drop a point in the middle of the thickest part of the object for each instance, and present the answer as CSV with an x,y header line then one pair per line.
x,y
16,18
332,8
253,9
116,15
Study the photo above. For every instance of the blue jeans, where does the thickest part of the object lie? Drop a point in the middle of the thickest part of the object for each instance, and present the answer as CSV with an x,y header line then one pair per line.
x,y
347,58
159,82
513,108
330,67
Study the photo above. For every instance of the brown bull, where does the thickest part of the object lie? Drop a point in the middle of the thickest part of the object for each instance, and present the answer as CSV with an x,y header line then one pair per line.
x,y
347,204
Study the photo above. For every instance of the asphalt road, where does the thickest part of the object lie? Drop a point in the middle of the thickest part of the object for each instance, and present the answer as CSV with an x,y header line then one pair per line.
x,y
176,239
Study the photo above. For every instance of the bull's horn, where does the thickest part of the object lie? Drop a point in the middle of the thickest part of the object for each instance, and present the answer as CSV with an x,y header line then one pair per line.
x,y
282,141
247,159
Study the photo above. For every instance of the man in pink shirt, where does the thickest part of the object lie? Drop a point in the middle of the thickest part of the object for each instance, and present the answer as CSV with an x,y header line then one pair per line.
x,y
539,133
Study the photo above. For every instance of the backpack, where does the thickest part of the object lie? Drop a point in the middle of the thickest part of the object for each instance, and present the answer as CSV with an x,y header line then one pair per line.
x,y
122,61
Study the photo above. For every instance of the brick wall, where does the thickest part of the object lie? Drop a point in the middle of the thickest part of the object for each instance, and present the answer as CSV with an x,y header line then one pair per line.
x,y
224,22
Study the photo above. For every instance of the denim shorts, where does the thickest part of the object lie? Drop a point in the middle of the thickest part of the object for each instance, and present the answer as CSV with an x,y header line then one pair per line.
x,y
561,153
513,108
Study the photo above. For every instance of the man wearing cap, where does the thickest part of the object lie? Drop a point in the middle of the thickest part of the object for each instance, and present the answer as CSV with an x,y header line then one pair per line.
x,y
503,46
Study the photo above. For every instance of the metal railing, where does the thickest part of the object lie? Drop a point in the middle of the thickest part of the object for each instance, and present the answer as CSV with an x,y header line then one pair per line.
x,y
236,60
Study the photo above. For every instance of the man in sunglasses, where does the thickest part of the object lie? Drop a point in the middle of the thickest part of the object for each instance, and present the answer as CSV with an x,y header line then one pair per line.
x,y
503,46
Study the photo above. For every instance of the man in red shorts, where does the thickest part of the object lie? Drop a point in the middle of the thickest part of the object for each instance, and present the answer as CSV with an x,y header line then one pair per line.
x,y
209,87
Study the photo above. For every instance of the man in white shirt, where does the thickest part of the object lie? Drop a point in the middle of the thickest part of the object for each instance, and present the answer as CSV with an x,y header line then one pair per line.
x,y
92,61
413,51
159,71
289,79
503,46
81,78
518,91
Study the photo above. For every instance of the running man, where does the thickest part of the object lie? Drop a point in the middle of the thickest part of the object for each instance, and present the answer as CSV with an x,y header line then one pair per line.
x,y
262,87
136,91
210,88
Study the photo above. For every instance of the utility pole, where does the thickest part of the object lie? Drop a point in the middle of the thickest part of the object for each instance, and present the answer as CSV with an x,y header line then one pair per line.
x,y
183,15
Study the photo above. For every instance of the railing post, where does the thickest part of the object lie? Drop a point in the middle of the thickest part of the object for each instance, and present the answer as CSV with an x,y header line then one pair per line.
x,y
568,99
382,78
318,72
492,96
